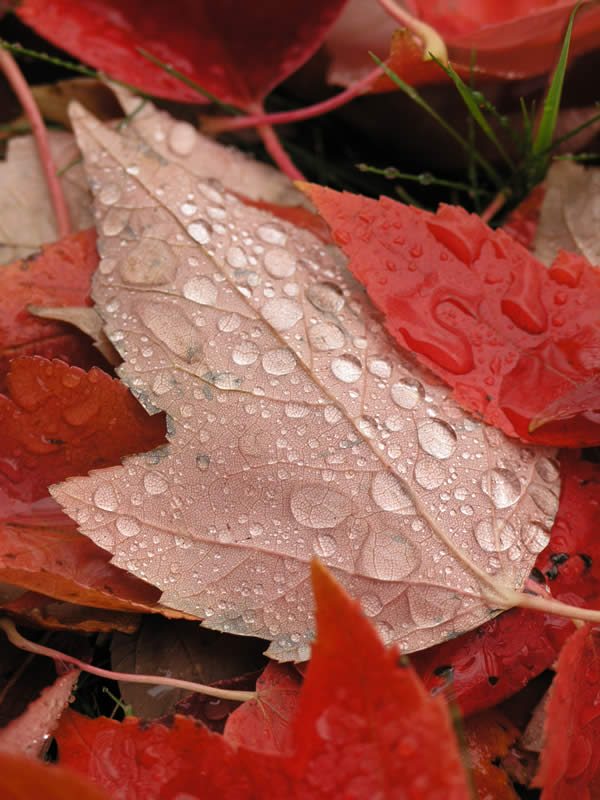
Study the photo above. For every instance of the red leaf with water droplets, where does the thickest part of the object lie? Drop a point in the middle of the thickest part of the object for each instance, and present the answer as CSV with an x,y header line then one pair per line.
x,y
58,276
570,765
477,308
364,727
499,658
235,50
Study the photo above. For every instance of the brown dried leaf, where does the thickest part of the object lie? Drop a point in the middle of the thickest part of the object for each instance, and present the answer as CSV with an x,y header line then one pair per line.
x,y
570,213
26,216
296,428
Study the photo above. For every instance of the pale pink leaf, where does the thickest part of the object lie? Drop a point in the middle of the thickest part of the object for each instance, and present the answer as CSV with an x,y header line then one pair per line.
x,y
296,428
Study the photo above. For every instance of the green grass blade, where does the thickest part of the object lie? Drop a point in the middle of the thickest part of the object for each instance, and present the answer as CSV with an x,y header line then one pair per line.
x,y
472,104
543,139
414,95
425,178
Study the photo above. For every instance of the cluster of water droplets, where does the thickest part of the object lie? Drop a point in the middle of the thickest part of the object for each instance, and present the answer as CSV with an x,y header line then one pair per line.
x,y
296,428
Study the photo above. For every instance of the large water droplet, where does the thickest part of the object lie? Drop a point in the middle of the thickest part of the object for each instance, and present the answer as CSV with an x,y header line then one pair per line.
x,y
368,426
272,233
200,290
155,483
127,526
325,297
548,469
245,353
544,499
105,497
282,314
279,263
279,362
200,231
346,368
388,557
437,438
182,138
325,545
495,539
535,537
502,486
110,194
371,604
379,367
407,393
325,336
390,493
115,221
236,258
317,506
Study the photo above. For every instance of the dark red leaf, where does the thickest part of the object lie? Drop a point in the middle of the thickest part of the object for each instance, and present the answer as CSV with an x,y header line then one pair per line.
x,y
477,308
570,765
60,421
57,276
365,727
235,50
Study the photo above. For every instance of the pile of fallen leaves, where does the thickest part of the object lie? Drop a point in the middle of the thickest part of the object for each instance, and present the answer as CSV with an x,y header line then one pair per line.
x,y
349,432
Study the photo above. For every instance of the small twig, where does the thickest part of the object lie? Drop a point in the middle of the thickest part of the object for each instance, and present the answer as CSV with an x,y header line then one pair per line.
x,y
19,641
219,124
278,154
14,76
493,208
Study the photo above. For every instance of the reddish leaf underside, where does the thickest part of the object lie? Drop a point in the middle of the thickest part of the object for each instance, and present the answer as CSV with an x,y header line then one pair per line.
x,y
570,765
235,50
365,727
58,276
60,421
21,778
477,308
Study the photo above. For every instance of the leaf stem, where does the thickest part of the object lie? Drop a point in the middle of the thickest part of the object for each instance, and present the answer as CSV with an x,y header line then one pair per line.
x,y
220,124
19,641
19,85
278,154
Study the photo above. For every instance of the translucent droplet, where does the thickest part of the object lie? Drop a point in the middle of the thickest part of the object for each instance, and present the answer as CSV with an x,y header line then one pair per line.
x,y
200,290
346,368
544,499
548,469
437,438
296,410
379,367
326,336
333,414
229,322
245,353
127,526
325,545
200,231
371,604
272,234
429,473
115,221
236,258
502,486
182,138
279,263
110,194
535,537
105,497
325,297
188,209
155,483
495,539
279,362
368,426
281,313
202,461
390,493
317,506
407,393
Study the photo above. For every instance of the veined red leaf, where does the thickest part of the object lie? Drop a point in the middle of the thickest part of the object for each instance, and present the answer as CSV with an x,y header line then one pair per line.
x,y
236,51
570,765
365,727
477,308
